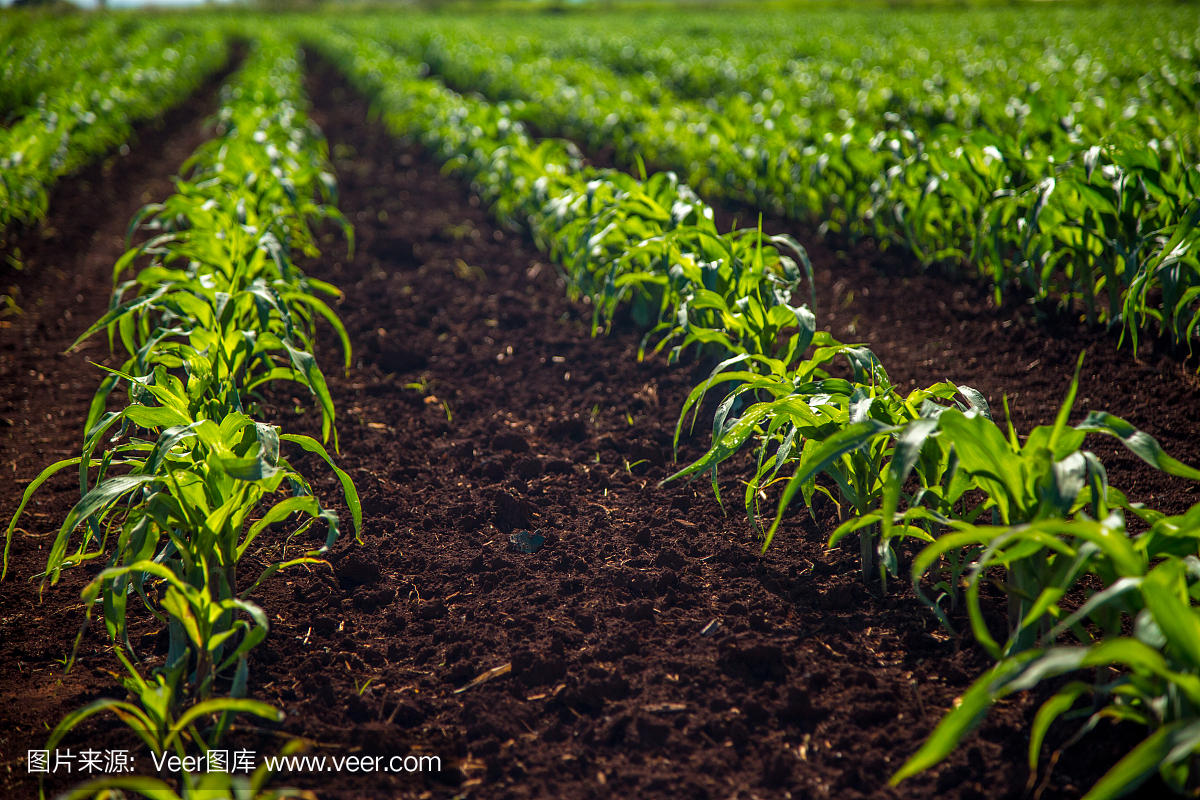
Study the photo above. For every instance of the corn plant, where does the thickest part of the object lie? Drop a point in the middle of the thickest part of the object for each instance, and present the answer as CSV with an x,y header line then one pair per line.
x,y
186,497
869,440
817,424
152,714
250,328
653,243
1048,477
1151,678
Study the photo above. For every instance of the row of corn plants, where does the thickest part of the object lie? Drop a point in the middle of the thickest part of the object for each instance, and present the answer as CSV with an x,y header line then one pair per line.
x,y
931,465
1101,217
180,481
916,467
125,72
41,54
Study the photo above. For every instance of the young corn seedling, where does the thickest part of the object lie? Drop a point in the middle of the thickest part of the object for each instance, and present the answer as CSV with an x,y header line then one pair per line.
x,y
154,716
1047,477
166,732
187,497
1151,678
816,425
249,330
221,280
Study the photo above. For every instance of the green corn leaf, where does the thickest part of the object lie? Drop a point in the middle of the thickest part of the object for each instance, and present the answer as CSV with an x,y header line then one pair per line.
x,y
118,313
348,489
44,476
1064,411
850,526
1049,711
983,452
155,416
821,458
728,443
1111,592
325,311
276,567
306,365
176,604
976,400
1142,445
1169,744
1165,592
106,493
908,448
963,719
250,468
144,725
219,706
277,513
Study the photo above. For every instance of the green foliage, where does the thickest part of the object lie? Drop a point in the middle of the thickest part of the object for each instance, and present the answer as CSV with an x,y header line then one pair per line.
x,y
1081,196
221,285
178,485
85,96
998,145
1151,678
926,465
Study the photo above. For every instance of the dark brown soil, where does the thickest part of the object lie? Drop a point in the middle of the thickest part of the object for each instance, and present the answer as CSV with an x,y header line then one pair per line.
x,y
480,406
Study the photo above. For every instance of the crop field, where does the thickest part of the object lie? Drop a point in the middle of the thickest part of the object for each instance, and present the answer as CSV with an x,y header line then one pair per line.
x,y
716,401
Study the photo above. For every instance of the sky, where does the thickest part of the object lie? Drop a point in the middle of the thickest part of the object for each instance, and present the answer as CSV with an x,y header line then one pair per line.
x,y
129,3
132,3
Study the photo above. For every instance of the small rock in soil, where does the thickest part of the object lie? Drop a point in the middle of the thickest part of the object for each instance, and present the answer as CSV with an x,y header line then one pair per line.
x,y
526,542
